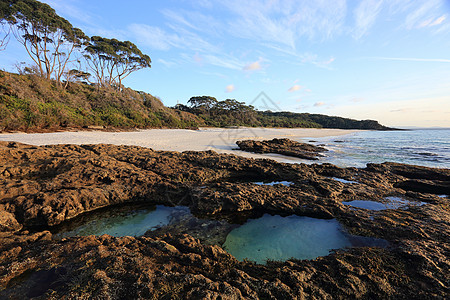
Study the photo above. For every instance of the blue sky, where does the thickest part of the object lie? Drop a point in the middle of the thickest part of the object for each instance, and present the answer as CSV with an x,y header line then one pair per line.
x,y
372,59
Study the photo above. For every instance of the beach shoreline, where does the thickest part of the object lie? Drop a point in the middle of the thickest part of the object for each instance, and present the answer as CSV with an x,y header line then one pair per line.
x,y
221,140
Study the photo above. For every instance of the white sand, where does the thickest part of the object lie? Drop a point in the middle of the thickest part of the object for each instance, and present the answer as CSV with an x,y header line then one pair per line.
x,y
219,140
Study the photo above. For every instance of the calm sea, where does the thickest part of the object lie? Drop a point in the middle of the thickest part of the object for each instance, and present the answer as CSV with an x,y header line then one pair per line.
x,y
425,147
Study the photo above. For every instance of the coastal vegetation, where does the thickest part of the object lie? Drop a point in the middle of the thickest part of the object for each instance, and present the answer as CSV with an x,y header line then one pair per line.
x,y
75,80
31,103
231,112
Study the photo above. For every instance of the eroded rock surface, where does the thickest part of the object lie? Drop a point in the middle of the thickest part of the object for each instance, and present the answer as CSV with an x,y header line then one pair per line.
x,y
44,186
282,146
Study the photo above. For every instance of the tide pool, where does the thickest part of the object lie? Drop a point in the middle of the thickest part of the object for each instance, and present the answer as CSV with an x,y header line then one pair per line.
x,y
281,238
130,223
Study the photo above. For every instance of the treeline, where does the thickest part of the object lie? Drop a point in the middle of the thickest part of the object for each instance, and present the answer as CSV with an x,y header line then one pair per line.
x,y
231,112
63,53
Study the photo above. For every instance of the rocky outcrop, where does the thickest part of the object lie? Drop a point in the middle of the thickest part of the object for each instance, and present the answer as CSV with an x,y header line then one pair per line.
x,y
282,146
41,187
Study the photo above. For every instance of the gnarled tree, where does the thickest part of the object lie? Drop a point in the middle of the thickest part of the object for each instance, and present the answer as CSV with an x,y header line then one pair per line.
x,y
48,38
5,27
112,60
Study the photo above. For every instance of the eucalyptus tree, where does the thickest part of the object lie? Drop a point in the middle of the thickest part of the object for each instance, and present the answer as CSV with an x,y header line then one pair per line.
x,y
49,39
5,27
203,104
112,60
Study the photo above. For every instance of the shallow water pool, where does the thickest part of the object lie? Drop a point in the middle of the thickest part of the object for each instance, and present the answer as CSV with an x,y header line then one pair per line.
x,y
281,238
391,202
127,223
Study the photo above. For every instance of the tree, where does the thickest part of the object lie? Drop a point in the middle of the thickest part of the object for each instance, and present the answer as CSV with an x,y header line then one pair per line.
x,y
48,38
5,27
112,60
203,103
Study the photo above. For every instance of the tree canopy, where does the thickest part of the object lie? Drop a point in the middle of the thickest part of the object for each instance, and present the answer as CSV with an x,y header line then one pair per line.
x,y
48,38
52,42
112,60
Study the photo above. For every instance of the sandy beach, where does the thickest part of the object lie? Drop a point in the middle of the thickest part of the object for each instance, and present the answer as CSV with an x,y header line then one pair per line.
x,y
216,139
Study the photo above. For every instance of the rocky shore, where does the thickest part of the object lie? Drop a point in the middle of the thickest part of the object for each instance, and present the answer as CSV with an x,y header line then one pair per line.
x,y
282,146
45,186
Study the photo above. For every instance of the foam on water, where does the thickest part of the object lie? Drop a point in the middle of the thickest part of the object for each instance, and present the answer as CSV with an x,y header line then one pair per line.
x,y
134,223
281,238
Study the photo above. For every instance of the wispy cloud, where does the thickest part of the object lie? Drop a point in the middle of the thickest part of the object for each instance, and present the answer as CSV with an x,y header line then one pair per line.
x,y
426,14
159,39
224,61
154,37
319,104
71,10
283,23
365,15
432,22
166,62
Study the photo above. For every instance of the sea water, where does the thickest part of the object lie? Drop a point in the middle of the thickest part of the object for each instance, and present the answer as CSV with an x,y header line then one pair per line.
x,y
425,147
126,223
281,238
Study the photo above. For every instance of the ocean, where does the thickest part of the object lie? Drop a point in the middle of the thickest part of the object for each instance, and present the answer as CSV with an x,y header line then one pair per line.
x,y
424,147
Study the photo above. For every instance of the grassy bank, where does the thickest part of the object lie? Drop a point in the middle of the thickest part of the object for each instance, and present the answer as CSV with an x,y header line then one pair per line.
x,y
31,103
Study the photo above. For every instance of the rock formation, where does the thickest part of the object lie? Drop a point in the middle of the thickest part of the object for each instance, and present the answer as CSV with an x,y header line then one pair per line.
x,y
41,187
282,146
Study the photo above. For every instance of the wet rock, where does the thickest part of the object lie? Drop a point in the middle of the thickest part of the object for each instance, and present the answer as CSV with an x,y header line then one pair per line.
x,y
282,146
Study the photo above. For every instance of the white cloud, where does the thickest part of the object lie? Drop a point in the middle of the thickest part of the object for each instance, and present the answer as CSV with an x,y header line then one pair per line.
x,y
229,88
365,16
283,23
223,61
432,22
439,20
153,37
159,39
425,15
319,104
294,88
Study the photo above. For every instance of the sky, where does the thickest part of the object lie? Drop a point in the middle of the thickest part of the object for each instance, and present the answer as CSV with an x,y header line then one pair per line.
x,y
373,59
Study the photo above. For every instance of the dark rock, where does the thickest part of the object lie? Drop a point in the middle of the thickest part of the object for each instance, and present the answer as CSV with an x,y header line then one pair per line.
x,y
282,146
